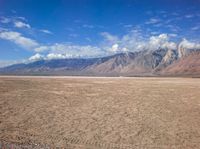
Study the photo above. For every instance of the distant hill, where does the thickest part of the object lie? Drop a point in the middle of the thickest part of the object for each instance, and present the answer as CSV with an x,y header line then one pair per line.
x,y
162,62
186,66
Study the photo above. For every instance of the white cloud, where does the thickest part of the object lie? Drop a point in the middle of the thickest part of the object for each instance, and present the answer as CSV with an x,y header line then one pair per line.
x,y
3,29
46,31
173,28
88,26
128,26
174,14
185,44
77,50
73,35
134,41
36,57
21,18
167,21
88,39
116,44
20,24
19,21
6,63
185,47
158,40
169,45
124,49
158,25
41,48
5,20
153,21
173,35
109,37
18,39
62,51
195,28
154,33
131,42
114,48
68,50
57,56
136,30
161,41
189,16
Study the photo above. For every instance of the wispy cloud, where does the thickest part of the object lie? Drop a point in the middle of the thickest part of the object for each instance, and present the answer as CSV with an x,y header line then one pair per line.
x,y
4,63
189,16
160,41
113,44
134,41
3,29
70,29
22,18
18,39
173,35
158,25
57,56
167,21
20,24
175,14
128,25
36,57
88,39
88,26
5,20
41,48
46,31
153,21
162,12
108,37
195,28
173,28
66,50
189,45
73,35
155,33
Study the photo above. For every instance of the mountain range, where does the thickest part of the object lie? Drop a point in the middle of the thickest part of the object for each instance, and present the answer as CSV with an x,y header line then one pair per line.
x,y
160,62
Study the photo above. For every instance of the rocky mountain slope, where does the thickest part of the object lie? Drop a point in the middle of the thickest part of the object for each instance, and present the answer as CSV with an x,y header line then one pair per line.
x,y
142,63
187,65
138,63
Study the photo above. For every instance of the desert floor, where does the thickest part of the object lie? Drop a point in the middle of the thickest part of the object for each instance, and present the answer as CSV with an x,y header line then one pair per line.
x,y
99,113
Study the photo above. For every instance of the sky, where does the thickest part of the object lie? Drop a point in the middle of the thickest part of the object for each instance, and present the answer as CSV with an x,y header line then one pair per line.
x,y
31,30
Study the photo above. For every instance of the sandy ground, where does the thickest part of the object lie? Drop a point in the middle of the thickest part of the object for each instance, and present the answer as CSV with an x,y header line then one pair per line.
x,y
99,113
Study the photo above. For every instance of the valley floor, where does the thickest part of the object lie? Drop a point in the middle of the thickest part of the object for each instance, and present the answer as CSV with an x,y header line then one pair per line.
x,y
99,113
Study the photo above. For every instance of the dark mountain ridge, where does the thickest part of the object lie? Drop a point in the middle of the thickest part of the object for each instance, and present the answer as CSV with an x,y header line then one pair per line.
x,y
142,63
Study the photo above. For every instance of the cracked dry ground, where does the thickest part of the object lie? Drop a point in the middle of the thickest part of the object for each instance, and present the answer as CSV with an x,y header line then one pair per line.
x,y
90,113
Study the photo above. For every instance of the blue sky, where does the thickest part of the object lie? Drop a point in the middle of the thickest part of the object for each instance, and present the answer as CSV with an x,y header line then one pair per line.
x,y
36,29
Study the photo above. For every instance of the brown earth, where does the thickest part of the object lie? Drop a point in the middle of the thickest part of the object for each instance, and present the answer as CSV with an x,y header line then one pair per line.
x,y
100,113
188,65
